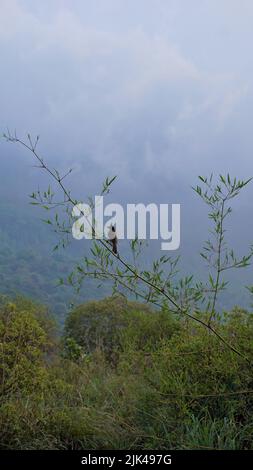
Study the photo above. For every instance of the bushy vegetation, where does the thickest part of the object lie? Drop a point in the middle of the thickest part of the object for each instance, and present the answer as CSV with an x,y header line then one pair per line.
x,y
123,376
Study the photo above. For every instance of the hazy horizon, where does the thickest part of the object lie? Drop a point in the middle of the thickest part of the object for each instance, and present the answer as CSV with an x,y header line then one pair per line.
x,y
155,92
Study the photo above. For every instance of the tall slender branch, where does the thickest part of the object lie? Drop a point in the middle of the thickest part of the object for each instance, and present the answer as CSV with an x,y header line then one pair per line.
x,y
68,199
217,281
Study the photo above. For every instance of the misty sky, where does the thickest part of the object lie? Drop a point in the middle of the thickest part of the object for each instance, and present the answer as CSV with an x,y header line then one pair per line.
x,y
155,91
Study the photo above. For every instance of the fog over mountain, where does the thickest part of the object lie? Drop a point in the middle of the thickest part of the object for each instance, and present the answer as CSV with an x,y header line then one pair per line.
x,y
153,91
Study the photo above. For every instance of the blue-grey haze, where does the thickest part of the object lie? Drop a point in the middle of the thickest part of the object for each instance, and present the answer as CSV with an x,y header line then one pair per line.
x,y
155,91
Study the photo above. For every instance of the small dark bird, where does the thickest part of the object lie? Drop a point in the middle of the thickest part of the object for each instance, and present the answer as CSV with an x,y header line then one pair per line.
x,y
113,239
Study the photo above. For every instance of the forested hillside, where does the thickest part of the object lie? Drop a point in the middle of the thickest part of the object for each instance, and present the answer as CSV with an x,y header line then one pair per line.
x,y
29,266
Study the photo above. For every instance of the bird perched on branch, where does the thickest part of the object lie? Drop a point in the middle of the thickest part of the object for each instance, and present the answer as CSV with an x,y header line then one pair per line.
x,y
113,239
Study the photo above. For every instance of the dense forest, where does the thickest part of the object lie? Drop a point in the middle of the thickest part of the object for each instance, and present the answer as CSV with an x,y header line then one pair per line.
x,y
122,376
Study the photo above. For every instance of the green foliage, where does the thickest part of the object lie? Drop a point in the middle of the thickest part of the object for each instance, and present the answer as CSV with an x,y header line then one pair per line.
x,y
127,377
25,337
113,324
29,267
218,257
156,284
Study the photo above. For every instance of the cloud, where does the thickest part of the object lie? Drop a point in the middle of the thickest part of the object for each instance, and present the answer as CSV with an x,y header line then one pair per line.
x,y
230,103
125,96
